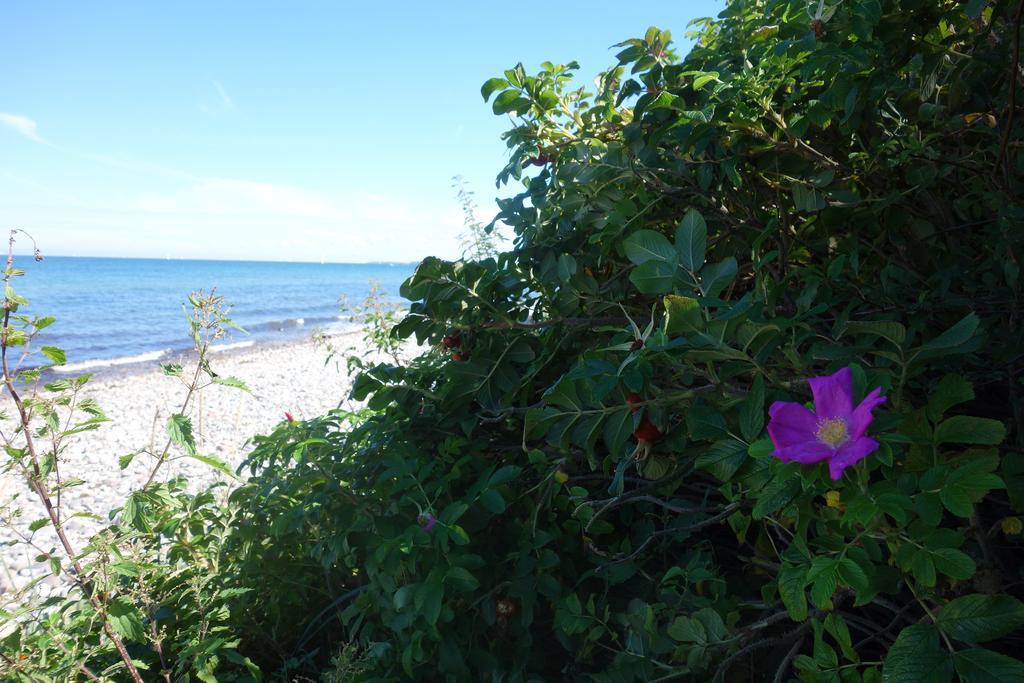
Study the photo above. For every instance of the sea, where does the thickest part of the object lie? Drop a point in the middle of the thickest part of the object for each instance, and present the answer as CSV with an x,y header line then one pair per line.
x,y
120,311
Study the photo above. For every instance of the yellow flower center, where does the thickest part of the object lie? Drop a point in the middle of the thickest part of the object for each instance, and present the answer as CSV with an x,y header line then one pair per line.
x,y
832,432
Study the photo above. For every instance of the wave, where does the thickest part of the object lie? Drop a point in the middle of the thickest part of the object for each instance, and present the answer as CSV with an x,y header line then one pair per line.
x,y
258,332
109,362
217,348
272,326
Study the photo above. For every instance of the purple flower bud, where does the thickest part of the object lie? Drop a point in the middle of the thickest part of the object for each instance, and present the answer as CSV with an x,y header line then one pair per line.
x,y
426,521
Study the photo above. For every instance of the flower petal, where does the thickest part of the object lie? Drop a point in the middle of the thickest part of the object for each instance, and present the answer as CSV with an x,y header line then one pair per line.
x,y
862,417
850,454
807,452
790,424
833,394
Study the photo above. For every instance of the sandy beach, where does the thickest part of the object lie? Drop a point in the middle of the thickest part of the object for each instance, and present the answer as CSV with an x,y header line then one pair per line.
x,y
282,377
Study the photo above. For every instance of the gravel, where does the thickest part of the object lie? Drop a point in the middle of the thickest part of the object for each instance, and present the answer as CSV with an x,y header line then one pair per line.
x,y
290,377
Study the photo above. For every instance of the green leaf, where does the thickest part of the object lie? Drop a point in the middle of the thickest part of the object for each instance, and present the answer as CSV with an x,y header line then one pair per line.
x,y
462,580
521,353
566,267
171,369
692,240
761,449
703,79
915,657
233,382
968,429
505,102
716,276
682,315
125,619
752,411
647,245
55,355
893,331
428,600
179,429
837,628
241,660
703,116
504,474
966,485
687,630
853,575
955,336
824,578
492,501
957,501
216,463
952,390
38,524
656,467
974,7
782,489
653,277
791,581
979,618
458,534
723,458
978,665
953,563
126,459
1012,471
491,85
509,100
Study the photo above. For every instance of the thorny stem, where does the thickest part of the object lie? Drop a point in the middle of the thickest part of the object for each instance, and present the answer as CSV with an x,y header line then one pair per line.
x,y
797,633
1013,90
780,673
38,485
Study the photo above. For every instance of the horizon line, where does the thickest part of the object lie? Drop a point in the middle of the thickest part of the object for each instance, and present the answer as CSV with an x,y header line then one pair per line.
x,y
233,260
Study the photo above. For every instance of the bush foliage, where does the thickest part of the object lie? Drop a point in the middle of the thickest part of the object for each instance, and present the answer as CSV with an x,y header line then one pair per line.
x,y
808,190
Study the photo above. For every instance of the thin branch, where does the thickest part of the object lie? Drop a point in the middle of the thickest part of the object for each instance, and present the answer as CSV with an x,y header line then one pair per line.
x,y
670,530
723,668
38,485
1013,89
570,322
780,673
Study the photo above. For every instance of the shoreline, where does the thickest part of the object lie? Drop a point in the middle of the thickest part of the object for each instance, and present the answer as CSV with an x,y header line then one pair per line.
x,y
141,363
282,375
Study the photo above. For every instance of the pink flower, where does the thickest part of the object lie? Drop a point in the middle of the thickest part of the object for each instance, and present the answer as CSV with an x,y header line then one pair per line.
x,y
426,521
835,431
288,416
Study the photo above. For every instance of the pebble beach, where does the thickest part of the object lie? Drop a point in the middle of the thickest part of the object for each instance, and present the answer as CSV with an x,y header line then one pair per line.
x,y
293,377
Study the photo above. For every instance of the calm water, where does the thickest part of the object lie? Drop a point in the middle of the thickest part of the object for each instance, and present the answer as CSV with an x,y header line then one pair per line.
x,y
113,309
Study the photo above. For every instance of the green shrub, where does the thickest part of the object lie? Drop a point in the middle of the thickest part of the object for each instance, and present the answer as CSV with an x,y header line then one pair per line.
x,y
804,192
801,194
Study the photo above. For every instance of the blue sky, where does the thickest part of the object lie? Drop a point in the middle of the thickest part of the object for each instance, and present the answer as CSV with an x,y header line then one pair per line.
x,y
277,131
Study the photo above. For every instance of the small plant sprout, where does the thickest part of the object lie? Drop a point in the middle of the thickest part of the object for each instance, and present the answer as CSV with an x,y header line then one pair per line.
x,y
821,16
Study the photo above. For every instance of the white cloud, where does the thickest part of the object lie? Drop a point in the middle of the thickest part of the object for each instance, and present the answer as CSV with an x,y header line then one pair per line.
x,y
22,125
158,211
220,196
248,219
217,104
224,97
